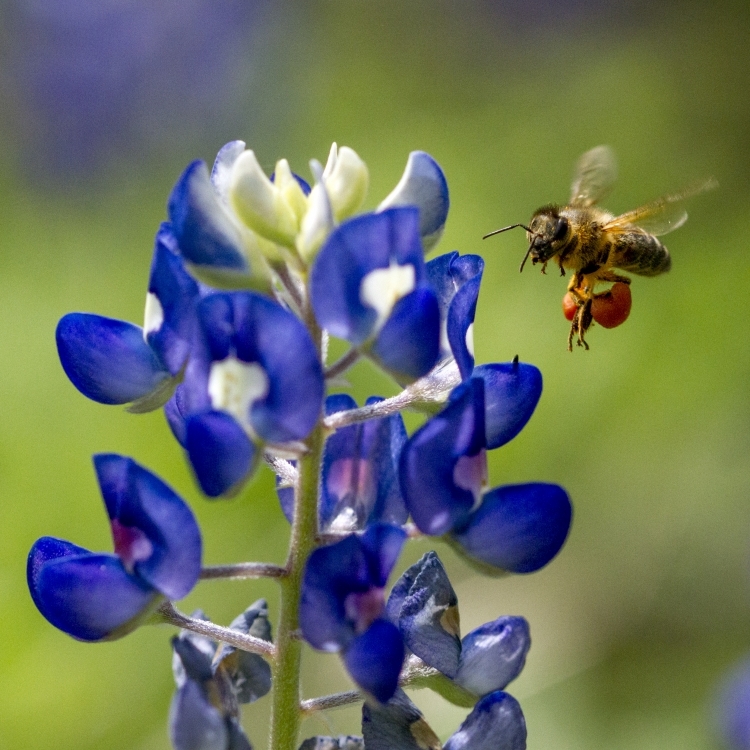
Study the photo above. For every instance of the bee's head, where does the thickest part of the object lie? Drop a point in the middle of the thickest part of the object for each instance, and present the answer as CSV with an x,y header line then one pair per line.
x,y
547,234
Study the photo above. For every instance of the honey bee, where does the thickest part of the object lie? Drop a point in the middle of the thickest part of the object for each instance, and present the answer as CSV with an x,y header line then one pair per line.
x,y
591,242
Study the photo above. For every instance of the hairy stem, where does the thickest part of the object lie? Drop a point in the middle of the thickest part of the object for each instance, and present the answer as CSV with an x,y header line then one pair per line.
x,y
343,364
285,712
431,389
243,570
216,632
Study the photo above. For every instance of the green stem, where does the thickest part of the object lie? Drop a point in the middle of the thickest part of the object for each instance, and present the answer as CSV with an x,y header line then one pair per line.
x,y
285,713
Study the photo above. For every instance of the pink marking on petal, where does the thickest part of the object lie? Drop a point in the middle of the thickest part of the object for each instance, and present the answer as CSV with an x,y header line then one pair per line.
x,y
131,544
348,477
470,473
364,608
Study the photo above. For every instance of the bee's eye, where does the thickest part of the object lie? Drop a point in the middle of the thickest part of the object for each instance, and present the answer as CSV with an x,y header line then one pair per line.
x,y
561,229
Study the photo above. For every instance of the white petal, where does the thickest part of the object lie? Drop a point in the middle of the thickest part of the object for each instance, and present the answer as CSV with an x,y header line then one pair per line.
x,y
346,182
259,202
153,317
234,385
317,224
382,288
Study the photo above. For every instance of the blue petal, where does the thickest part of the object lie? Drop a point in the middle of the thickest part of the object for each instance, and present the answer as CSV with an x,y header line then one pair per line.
x,y
374,659
202,226
196,663
237,739
423,185
353,250
447,273
408,345
45,549
177,293
430,457
194,724
496,722
331,574
493,655
286,500
89,596
137,498
428,615
107,360
360,469
460,317
174,411
511,393
397,725
518,528
382,543
256,329
280,343
220,452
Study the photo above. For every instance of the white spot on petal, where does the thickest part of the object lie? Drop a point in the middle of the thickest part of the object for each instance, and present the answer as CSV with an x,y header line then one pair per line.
x,y
234,385
153,317
383,287
469,339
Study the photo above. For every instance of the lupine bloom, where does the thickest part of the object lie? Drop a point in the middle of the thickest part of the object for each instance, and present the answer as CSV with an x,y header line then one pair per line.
x,y
342,608
211,683
495,722
250,276
369,286
98,596
456,281
425,607
514,528
254,377
359,484
116,362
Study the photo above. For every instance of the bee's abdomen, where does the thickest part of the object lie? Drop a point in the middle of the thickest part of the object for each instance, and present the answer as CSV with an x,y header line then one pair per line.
x,y
640,253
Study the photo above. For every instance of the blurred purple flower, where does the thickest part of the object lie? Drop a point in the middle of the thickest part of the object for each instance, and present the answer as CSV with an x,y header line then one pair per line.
x,y
92,77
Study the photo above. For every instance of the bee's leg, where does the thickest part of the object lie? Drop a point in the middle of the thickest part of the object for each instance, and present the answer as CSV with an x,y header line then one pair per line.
x,y
584,322
607,276
544,267
560,264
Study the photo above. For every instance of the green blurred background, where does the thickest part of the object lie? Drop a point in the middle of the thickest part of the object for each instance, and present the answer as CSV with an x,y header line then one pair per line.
x,y
648,603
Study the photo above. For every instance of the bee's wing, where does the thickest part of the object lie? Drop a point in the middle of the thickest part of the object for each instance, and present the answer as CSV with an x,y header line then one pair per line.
x,y
662,215
596,172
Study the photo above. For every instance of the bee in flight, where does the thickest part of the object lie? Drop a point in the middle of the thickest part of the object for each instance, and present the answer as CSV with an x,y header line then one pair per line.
x,y
594,244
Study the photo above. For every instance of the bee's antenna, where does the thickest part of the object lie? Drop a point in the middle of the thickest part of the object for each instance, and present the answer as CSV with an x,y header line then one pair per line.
x,y
525,257
505,229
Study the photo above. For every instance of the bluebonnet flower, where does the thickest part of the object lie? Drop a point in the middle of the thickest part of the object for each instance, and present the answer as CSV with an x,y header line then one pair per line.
x,y
116,362
425,607
456,279
516,528
359,483
98,596
342,607
368,286
211,683
496,722
254,377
